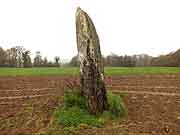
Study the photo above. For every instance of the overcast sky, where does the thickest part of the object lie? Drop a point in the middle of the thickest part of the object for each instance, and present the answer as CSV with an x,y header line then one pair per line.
x,y
124,26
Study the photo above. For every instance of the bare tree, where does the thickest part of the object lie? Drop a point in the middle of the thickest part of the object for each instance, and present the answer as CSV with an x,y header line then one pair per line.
x,y
11,57
19,50
57,60
45,61
38,59
26,59
2,56
74,61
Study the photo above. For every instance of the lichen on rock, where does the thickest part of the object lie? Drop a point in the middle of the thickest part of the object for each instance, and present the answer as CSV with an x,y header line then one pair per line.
x,y
91,66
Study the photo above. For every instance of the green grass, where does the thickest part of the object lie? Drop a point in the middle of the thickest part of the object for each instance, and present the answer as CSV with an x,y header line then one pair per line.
x,y
75,71
38,71
73,114
141,70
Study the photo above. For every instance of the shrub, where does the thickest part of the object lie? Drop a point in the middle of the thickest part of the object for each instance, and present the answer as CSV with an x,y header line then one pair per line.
x,y
116,106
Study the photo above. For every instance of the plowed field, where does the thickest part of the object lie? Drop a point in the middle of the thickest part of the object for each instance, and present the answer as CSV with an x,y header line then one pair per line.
x,y
152,101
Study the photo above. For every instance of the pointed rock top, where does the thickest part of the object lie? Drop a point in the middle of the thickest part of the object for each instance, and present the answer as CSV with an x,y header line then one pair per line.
x,y
84,25
79,11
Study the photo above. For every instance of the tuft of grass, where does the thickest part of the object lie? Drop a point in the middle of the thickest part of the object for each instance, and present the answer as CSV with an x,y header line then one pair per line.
x,y
74,116
74,112
74,98
116,106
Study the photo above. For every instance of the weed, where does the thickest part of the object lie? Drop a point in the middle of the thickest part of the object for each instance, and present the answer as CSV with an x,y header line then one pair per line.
x,y
74,98
116,106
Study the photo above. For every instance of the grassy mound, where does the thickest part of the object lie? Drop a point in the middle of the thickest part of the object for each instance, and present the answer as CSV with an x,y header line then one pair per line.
x,y
73,114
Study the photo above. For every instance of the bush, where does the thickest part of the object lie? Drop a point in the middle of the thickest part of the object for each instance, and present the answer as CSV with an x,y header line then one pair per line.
x,y
116,106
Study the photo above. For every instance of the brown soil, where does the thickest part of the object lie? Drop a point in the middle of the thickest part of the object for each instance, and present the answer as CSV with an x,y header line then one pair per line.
x,y
152,101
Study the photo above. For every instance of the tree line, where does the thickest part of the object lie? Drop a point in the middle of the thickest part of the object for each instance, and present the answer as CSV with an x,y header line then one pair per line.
x,y
170,60
142,60
19,57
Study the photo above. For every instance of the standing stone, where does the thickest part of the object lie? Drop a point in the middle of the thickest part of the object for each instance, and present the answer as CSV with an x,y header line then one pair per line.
x,y
91,66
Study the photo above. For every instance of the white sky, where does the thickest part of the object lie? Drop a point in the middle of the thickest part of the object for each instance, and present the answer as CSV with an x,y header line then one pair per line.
x,y
124,26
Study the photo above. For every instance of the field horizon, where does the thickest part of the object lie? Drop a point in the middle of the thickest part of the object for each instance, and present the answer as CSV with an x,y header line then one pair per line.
x,y
75,71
